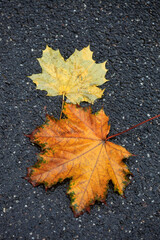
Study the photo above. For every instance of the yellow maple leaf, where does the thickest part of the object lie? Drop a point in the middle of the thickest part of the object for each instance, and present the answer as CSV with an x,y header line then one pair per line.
x,y
77,148
76,78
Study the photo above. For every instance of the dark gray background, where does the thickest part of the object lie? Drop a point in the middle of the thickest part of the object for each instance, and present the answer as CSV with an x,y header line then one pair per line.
x,y
125,33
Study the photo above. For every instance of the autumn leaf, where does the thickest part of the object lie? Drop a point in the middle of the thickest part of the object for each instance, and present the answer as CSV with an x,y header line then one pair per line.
x,y
76,78
76,148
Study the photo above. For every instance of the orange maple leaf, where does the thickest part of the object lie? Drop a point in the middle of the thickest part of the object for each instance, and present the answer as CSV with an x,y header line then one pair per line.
x,y
77,148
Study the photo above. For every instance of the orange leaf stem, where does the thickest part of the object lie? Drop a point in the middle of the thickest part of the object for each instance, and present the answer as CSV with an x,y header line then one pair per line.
x,y
117,134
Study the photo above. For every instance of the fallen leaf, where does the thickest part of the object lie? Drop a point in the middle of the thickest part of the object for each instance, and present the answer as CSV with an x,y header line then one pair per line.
x,y
76,78
76,148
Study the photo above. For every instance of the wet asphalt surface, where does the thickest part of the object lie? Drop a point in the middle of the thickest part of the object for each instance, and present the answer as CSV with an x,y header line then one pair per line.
x,y
126,34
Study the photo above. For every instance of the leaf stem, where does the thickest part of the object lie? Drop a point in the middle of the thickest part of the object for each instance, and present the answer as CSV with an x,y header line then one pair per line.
x,y
62,105
117,134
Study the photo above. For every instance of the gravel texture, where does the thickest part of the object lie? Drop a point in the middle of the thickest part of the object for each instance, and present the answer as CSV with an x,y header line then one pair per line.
x,y
125,33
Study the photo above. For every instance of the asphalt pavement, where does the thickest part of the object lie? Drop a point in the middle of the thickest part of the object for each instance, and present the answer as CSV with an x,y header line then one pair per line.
x,y
126,34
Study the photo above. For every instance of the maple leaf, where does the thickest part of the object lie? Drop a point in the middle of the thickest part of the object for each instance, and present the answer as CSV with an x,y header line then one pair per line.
x,y
76,78
76,148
